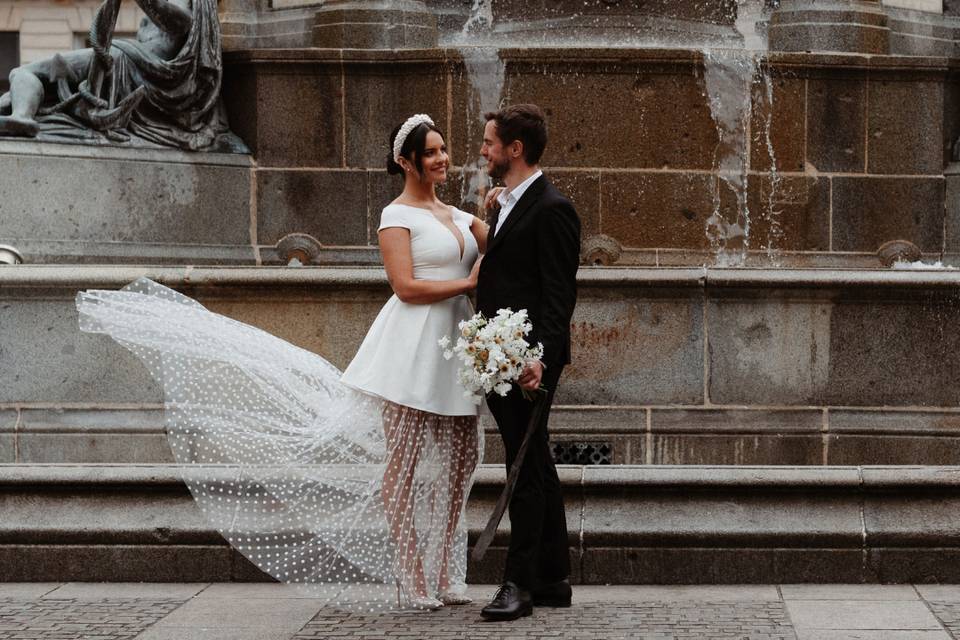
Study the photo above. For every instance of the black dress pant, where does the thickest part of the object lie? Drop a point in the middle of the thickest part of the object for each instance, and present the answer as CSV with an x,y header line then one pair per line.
x,y
539,547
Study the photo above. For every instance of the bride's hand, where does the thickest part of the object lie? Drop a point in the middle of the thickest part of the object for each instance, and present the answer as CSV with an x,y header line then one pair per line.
x,y
475,273
490,200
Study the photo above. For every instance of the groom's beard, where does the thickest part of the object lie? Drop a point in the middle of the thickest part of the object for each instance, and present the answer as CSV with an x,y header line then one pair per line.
x,y
497,170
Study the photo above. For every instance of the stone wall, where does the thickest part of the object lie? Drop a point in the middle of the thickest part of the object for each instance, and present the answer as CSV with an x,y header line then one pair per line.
x,y
670,366
860,144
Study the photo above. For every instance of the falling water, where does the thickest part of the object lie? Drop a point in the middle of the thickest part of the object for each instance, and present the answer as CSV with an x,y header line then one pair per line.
x,y
733,71
486,72
729,79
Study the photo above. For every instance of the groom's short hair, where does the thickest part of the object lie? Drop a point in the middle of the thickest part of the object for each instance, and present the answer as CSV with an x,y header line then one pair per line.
x,y
523,122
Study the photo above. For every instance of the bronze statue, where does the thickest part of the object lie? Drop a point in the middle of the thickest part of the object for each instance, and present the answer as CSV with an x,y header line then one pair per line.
x,y
162,88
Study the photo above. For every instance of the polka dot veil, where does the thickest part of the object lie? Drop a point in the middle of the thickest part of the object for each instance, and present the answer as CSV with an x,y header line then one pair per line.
x,y
358,500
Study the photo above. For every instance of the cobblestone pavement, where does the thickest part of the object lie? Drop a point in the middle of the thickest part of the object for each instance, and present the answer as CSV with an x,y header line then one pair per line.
x,y
647,620
108,619
90,611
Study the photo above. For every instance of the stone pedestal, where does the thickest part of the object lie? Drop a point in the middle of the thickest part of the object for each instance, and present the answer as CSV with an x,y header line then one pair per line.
x,y
261,24
381,24
849,26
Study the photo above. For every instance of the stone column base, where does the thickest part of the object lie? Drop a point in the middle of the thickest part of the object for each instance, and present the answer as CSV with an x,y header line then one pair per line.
x,y
848,26
345,24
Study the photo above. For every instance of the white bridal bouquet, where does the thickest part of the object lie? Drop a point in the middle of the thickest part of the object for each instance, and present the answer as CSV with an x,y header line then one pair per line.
x,y
493,352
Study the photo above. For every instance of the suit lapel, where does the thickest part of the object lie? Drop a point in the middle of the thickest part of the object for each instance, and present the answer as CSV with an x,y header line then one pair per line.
x,y
526,202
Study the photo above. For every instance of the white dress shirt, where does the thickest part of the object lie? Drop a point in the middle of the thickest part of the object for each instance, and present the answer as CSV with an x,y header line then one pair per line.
x,y
508,199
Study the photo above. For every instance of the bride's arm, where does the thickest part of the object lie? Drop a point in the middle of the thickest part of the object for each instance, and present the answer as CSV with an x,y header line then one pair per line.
x,y
480,229
398,261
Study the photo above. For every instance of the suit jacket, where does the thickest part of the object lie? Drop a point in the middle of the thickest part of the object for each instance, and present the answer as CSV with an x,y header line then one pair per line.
x,y
532,264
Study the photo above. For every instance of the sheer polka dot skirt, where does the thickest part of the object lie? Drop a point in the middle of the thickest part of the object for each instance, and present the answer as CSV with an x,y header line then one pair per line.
x,y
356,500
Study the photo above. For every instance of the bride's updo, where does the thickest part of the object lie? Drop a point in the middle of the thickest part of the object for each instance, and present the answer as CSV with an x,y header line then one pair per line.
x,y
414,145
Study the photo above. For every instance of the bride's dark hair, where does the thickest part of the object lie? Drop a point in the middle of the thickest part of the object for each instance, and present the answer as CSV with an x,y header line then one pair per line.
x,y
414,145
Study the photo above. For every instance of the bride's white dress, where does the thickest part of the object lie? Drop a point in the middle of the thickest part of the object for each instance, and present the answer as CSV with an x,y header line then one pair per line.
x,y
350,485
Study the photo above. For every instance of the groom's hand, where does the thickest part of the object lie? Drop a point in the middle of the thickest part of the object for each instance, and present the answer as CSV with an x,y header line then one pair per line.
x,y
490,202
532,376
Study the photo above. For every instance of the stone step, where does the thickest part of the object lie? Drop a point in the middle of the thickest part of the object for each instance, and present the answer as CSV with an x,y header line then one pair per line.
x,y
627,524
580,435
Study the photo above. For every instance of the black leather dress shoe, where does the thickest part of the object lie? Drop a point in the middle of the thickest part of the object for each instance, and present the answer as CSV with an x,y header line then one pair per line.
x,y
553,594
510,603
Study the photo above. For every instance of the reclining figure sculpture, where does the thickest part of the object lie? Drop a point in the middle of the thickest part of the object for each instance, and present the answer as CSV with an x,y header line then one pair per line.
x,y
161,88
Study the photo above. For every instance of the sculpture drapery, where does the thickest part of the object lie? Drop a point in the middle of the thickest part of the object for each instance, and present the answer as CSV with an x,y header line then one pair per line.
x,y
163,88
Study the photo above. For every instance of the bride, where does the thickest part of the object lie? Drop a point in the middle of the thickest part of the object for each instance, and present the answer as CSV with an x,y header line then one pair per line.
x,y
351,485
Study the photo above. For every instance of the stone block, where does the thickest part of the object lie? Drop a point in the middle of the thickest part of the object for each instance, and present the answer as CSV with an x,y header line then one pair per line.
x,y
911,518
656,516
919,565
870,211
288,108
858,28
849,615
665,565
635,348
730,436
331,324
378,97
951,227
329,205
344,25
102,197
583,190
663,120
891,449
837,121
785,132
854,351
657,209
762,421
880,342
84,437
880,423
773,351
791,213
905,124
106,562
8,438
893,438
52,361
670,210
734,449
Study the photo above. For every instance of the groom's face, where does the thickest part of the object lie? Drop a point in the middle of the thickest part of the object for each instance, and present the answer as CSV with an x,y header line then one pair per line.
x,y
498,162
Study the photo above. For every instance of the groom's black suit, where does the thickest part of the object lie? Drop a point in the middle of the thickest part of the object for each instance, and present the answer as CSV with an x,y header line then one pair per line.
x,y
531,263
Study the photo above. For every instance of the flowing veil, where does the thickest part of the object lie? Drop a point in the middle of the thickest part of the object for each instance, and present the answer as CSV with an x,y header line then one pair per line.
x,y
287,462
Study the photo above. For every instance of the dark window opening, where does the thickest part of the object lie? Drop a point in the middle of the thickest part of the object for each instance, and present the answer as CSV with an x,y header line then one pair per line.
x,y
9,56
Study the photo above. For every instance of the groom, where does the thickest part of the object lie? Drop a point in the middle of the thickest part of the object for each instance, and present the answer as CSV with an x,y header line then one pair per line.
x,y
531,263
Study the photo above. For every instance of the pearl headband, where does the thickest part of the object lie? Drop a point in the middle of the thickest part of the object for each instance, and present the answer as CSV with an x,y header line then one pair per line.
x,y
406,129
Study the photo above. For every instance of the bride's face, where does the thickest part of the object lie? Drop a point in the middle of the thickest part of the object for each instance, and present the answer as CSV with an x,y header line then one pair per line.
x,y
435,159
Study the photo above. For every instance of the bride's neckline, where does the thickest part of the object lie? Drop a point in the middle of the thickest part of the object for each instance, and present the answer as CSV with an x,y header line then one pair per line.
x,y
430,211
458,235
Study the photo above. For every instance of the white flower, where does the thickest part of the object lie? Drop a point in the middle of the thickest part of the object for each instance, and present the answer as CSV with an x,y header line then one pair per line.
x,y
444,343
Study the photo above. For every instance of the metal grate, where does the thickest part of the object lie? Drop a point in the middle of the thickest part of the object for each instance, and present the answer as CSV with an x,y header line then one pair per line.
x,y
583,452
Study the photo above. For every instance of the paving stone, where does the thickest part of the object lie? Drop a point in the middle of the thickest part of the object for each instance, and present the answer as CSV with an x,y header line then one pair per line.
x,y
106,619
848,592
861,614
648,620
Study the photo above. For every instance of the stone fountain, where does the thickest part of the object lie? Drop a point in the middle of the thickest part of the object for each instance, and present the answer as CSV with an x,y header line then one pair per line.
x,y
776,403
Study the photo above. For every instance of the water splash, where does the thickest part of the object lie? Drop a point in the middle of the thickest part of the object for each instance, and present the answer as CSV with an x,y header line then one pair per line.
x,y
486,72
729,79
